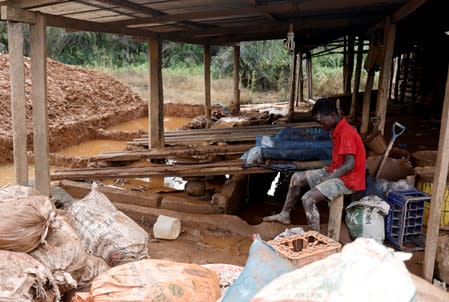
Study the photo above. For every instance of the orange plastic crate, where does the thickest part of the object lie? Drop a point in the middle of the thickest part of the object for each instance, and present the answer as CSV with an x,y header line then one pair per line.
x,y
306,248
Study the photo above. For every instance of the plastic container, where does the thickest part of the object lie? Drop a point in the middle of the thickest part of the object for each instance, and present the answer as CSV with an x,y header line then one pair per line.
x,y
166,227
444,218
406,218
305,248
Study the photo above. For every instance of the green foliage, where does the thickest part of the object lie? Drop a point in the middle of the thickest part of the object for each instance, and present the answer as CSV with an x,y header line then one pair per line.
x,y
264,65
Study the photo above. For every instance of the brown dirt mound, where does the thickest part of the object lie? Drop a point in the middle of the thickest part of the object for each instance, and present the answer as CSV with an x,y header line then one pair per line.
x,y
80,102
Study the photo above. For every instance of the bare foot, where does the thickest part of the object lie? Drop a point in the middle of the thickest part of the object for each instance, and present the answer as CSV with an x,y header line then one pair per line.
x,y
282,218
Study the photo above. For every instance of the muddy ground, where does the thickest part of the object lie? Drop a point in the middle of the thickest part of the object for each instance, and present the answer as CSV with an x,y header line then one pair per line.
x,y
83,103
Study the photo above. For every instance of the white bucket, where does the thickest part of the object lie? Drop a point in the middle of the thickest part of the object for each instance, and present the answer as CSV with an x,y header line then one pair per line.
x,y
166,227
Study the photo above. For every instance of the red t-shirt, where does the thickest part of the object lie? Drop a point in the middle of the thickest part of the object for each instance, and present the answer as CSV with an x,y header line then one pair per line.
x,y
346,140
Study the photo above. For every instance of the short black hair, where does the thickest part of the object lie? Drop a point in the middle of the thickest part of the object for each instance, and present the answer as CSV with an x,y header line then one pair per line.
x,y
325,106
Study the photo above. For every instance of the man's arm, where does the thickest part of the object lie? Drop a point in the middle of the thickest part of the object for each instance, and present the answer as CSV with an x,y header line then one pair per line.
x,y
346,167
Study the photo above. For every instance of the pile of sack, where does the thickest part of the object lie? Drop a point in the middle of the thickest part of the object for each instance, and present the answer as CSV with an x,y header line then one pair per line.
x,y
46,252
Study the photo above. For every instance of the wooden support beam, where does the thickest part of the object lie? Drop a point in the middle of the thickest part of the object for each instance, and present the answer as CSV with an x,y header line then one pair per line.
x,y
438,189
236,77
39,99
207,59
300,93
156,101
350,65
17,15
358,71
385,72
409,7
17,82
309,75
367,102
291,107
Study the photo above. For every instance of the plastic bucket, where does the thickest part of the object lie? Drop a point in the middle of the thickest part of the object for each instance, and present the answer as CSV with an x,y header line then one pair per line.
x,y
166,227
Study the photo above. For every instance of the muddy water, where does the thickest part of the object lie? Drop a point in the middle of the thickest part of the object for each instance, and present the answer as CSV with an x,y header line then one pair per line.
x,y
95,147
170,124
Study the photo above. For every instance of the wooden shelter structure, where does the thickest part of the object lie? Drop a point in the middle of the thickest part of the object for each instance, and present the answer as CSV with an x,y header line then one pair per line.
x,y
402,25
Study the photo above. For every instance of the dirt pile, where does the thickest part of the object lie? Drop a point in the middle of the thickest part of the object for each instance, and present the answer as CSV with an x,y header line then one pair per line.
x,y
80,102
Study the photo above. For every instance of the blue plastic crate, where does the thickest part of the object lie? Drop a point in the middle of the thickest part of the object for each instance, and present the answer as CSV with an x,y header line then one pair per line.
x,y
405,219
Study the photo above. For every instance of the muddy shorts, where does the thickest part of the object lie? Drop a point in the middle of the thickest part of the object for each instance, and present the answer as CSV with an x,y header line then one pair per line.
x,y
330,188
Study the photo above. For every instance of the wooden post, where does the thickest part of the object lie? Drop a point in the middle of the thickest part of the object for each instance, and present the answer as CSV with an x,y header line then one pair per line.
x,y
309,75
405,74
335,212
236,77
358,71
345,63
300,90
367,102
17,82
397,77
156,102
207,80
350,64
293,83
39,100
385,72
438,189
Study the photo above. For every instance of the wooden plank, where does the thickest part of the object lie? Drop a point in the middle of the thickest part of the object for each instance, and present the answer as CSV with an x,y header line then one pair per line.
x,y
385,72
156,101
215,168
207,58
173,152
350,65
236,77
39,100
358,71
18,15
438,189
17,82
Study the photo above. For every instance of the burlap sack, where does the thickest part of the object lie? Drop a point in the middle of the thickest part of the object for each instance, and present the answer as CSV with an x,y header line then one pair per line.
x,y
23,278
63,254
107,232
93,267
16,191
24,222
156,280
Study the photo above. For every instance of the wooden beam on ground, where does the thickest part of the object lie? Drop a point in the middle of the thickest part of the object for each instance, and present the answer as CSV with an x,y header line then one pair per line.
x,y
156,102
214,135
207,58
358,71
236,77
230,167
39,100
438,189
385,73
17,83
173,152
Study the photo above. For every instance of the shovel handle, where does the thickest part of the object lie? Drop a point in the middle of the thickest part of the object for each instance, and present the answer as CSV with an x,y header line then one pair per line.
x,y
395,126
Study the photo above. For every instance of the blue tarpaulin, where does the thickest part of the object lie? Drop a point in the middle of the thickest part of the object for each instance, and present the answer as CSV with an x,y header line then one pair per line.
x,y
290,144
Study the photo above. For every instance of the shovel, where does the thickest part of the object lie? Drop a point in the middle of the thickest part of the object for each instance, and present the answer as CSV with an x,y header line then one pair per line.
x,y
395,135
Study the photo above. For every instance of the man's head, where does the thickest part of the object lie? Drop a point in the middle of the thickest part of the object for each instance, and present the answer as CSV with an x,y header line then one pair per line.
x,y
325,112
